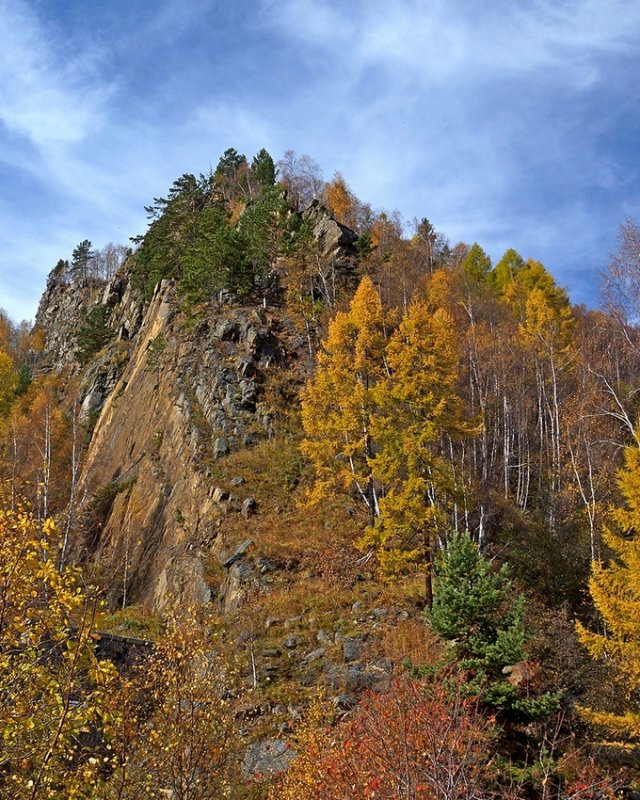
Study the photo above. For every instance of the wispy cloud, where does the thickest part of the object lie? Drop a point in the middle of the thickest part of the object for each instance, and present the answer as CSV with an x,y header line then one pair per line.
x,y
47,94
512,123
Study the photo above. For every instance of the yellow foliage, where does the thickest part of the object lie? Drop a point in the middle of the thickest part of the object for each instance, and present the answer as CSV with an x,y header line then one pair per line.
x,y
418,405
8,383
311,742
615,589
340,201
177,731
54,691
338,403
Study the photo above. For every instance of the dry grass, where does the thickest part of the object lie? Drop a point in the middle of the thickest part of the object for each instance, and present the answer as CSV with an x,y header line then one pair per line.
x,y
414,641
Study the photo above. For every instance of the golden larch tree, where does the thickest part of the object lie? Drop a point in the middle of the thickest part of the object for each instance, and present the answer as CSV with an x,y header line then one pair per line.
x,y
338,402
418,406
615,590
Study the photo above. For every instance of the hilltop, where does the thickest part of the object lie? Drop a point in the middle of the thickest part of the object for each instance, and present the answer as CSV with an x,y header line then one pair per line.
x,y
279,409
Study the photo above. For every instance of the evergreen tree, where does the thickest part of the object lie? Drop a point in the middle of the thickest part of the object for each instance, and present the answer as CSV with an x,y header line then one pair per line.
x,y
93,334
171,232
267,227
61,269
615,590
215,258
477,608
81,259
229,163
264,169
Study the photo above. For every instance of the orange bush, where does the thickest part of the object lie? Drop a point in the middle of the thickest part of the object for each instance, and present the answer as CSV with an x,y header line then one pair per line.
x,y
419,742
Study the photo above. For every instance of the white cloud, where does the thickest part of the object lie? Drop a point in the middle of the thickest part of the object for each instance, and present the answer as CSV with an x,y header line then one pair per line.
x,y
444,39
47,94
488,119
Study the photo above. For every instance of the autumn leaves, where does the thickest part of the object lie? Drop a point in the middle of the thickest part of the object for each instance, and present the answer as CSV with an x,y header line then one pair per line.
x,y
381,401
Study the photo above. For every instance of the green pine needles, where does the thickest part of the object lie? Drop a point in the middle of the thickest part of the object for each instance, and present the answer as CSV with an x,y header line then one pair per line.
x,y
477,608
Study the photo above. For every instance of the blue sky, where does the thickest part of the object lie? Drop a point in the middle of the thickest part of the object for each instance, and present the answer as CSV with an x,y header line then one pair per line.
x,y
513,123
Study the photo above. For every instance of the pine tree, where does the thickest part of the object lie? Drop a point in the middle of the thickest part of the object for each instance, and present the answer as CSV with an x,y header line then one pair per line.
x,y
615,590
81,259
93,334
264,169
215,258
477,608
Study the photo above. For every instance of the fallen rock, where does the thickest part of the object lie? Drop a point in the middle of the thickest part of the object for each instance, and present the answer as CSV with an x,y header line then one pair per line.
x,y
314,655
267,758
239,553
352,649
249,507
219,495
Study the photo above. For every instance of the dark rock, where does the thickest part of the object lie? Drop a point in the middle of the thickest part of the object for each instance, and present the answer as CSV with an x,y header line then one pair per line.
x,y
227,330
220,447
249,507
248,391
267,758
238,480
245,367
352,649
239,553
345,702
324,638
291,642
374,675
310,677
334,675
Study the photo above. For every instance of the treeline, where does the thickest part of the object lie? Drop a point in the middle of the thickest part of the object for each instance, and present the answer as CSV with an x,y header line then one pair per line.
x,y
90,264
476,398
477,418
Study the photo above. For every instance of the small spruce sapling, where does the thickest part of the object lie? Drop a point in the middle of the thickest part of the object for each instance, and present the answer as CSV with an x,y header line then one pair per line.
x,y
477,608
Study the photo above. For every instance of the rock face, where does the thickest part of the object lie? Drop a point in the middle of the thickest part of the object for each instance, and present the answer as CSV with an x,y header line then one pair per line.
x,y
169,397
336,241
190,393
61,309
332,237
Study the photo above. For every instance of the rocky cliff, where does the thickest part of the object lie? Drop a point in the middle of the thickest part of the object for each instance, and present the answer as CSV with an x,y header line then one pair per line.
x,y
164,403
193,391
